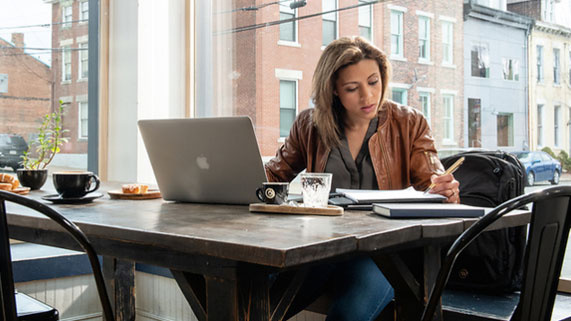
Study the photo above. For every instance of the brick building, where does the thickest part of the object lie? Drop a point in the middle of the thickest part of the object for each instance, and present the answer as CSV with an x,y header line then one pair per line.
x,y
273,65
70,71
25,89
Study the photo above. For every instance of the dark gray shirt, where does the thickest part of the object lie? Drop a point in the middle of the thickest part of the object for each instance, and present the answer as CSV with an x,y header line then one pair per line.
x,y
349,173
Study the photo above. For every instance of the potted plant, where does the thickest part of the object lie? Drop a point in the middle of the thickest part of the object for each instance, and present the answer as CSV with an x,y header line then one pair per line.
x,y
43,149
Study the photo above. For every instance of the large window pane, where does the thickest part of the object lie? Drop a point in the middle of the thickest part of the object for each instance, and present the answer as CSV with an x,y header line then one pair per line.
x,y
44,60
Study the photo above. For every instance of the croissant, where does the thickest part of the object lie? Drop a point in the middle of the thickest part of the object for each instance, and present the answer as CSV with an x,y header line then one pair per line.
x,y
9,179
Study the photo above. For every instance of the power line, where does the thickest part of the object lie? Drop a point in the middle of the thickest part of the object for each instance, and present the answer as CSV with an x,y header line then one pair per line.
x,y
45,49
277,22
45,25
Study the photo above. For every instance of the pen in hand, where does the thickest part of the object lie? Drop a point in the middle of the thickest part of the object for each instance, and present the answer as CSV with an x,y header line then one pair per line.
x,y
450,170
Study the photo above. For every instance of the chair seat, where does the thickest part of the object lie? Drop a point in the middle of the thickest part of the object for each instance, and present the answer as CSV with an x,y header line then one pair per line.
x,y
466,306
30,309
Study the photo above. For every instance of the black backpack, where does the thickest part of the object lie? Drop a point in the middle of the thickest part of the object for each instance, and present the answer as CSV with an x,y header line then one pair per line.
x,y
494,261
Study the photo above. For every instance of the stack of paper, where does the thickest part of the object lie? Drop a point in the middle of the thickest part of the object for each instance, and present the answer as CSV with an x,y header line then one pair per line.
x,y
408,195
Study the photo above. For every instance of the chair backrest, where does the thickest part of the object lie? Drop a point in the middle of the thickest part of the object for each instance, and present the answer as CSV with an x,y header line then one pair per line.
x,y
547,239
8,305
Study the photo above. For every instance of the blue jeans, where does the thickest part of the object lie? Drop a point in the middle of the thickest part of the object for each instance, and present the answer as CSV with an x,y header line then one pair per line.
x,y
359,290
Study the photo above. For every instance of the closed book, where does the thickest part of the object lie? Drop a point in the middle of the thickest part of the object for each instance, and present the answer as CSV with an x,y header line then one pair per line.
x,y
427,210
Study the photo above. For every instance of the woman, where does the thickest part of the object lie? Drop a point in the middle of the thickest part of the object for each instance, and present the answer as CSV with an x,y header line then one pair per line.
x,y
367,142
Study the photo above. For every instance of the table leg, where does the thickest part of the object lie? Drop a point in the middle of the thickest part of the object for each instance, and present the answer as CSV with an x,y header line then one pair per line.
x,y
432,264
411,292
120,280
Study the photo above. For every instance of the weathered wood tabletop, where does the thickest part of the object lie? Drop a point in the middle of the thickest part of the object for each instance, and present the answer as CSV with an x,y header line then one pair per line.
x,y
221,255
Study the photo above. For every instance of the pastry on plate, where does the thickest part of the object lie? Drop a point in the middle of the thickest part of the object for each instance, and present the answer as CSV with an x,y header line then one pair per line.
x,y
134,188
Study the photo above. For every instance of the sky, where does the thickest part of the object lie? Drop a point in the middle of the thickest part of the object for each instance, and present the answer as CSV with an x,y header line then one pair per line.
x,y
15,14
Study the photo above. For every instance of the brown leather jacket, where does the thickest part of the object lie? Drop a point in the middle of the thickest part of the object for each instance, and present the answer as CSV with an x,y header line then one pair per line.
x,y
402,150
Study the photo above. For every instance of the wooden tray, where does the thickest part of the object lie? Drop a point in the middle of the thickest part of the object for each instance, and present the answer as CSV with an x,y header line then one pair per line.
x,y
287,209
119,195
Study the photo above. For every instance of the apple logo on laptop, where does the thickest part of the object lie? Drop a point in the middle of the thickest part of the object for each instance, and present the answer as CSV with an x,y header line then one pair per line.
x,y
202,162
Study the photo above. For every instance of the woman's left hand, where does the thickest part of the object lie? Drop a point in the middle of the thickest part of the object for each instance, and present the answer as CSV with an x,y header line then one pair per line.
x,y
447,186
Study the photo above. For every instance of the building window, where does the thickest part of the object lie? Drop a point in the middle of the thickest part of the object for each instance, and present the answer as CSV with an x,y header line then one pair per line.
x,y
447,42
556,66
448,109
66,63
288,30
83,61
66,15
539,63
569,65
474,122
365,20
539,125
329,32
480,61
510,69
84,10
557,125
505,130
3,83
424,38
83,110
397,33
399,95
424,99
288,105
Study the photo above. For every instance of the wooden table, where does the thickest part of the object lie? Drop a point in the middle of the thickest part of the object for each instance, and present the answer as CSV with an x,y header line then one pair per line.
x,y
221,255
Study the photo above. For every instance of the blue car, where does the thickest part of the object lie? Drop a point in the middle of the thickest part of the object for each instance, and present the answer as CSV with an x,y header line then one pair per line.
x,y
539,166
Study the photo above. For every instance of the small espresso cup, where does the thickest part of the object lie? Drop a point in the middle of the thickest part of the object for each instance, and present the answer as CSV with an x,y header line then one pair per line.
x,y
273,192
73,184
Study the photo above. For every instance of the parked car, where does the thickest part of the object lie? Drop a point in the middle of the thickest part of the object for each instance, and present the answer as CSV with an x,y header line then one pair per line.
x,y
539,166
12,147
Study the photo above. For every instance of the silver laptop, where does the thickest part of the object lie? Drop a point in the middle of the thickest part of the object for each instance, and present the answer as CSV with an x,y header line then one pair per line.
x,y
204,160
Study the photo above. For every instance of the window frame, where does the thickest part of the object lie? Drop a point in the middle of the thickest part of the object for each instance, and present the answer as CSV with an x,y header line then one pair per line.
x,y
556,66
83,10
83,56
515,69
510,129
448,118
66,24
539,63
447,42
426,38
425,109
540,127
481,47
398,12
296,103
334,20
361,9
80,118
557,125
403,91
66,57
284,9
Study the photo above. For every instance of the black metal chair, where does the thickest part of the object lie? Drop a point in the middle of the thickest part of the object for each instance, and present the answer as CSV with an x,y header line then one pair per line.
x,y
547,239
8,309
